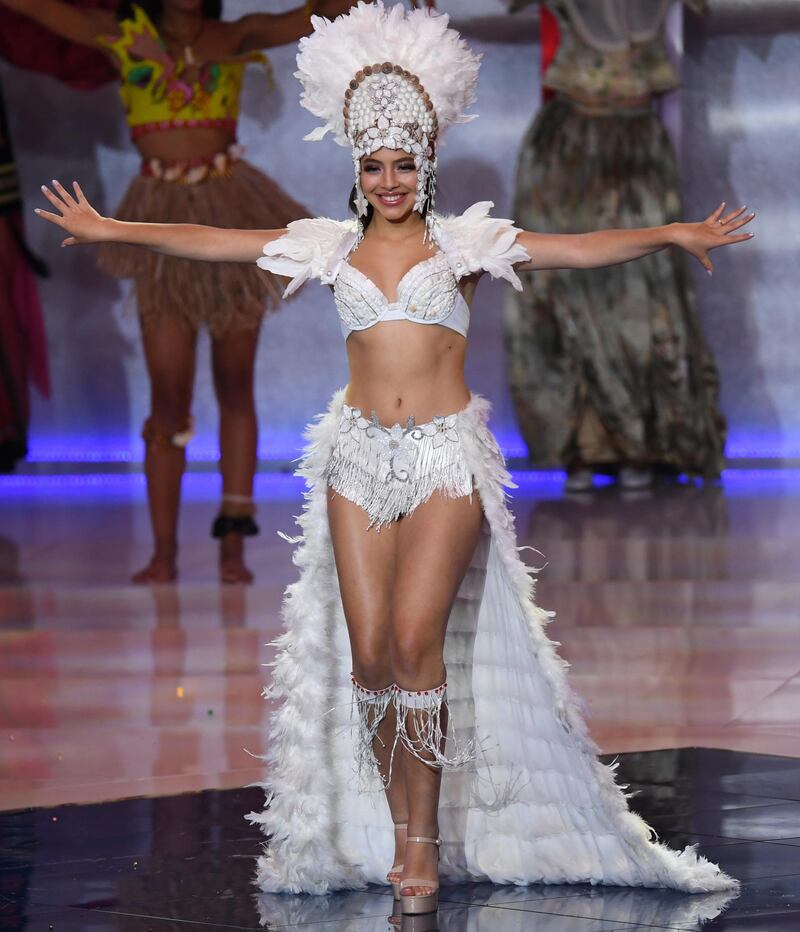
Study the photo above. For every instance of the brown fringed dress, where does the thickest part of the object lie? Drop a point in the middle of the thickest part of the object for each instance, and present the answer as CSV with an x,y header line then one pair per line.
x,y
610,366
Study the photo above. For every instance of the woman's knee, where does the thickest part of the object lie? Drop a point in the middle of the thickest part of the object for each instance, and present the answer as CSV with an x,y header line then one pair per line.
x,y
234,390
170,406
234,373
171,391
371,664
416,657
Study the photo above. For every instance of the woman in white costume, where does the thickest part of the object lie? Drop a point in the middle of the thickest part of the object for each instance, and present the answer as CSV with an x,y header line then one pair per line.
x,y
408,558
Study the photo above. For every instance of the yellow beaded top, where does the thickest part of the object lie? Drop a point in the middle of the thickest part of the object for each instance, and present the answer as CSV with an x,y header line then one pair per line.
x,y
159,92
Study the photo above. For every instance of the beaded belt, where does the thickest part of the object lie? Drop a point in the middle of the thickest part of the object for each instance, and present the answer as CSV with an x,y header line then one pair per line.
x,y
142,129
609,106
194,170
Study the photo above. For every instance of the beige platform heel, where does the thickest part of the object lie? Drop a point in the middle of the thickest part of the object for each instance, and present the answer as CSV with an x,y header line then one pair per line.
x,y
397,869
425,902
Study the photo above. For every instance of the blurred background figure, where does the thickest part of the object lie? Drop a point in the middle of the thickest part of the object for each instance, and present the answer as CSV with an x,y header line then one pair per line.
x,y
181,70
609,369
23,347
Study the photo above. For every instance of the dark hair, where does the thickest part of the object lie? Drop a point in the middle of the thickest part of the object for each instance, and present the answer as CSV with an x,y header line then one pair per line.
x,y
212,9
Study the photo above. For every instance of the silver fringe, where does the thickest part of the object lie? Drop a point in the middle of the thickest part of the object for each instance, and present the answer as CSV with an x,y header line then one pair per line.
x,y
361,203
390,471
371,706
420,731
430,217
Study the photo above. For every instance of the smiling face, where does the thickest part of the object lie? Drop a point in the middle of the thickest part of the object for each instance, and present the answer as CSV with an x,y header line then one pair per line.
x,y
389,182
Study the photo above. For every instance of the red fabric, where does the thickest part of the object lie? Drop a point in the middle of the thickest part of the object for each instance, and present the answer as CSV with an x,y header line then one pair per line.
x,y
549,37
24,334
28,45
23,349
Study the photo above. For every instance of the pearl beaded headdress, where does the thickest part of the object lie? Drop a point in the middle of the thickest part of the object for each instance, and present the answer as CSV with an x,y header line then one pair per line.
x,y
387,78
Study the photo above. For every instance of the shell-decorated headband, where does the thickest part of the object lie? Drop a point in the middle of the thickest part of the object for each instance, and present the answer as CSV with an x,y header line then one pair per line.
x,y
387,77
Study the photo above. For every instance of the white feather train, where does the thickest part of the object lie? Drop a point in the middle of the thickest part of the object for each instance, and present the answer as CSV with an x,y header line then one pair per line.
x,y
535,806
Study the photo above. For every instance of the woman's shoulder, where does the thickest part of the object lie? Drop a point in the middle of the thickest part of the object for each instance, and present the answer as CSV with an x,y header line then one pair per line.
x,y
310,248
312,237
484,243
475,219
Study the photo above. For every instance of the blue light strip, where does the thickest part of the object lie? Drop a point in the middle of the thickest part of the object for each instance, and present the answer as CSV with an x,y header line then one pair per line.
x,y
280,486
283,447
132,487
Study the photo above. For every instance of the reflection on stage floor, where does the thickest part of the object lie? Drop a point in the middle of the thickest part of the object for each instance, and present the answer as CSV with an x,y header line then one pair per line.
x,y
187,862
676,608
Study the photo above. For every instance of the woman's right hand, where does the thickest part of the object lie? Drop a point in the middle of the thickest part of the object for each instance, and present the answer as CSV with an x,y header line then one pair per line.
x,y
182,240
75,215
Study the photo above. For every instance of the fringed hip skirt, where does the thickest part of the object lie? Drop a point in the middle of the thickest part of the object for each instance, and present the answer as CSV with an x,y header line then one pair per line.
x,y
530,803
609,366
389,471
223,296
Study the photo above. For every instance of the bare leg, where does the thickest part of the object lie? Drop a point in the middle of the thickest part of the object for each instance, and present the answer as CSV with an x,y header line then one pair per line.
x,y
233,361
365,563
169,347
434,548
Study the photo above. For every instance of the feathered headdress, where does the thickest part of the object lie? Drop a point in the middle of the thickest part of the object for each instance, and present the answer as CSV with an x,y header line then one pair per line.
x,y
387,78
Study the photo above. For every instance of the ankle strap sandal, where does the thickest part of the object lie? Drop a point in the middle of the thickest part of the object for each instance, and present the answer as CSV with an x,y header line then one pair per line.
x,y
397,869
424,902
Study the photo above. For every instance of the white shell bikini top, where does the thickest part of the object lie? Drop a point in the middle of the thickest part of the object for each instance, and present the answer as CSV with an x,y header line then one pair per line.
x,y
427,294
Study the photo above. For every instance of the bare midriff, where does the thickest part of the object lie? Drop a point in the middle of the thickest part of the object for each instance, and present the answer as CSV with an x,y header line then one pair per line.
x,y
184,143
400,369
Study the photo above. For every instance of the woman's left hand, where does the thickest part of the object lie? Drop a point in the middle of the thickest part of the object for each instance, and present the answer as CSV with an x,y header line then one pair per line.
x,y
718,229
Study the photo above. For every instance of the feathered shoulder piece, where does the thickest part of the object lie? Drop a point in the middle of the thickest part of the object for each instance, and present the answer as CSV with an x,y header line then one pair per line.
x,y
476,242
309,249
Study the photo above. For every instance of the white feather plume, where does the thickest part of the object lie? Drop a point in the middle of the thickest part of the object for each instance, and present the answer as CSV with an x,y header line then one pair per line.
x,y
418,40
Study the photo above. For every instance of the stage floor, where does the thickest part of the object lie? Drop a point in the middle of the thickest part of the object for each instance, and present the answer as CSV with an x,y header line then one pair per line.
x,y
187,862
677,609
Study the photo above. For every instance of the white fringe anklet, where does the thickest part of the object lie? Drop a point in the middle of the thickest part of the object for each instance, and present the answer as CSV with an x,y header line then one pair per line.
x,y
419,728
371,705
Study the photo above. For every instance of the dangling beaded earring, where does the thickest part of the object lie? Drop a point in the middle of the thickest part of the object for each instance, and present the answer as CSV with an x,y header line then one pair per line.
x,y
430,201
361,204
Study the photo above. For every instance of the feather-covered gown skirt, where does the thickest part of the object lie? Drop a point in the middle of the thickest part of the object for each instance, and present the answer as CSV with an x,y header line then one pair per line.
x,y
535,805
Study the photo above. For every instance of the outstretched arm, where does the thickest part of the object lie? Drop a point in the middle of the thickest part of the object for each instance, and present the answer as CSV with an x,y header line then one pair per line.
x,y
612,247
268,30
76,216
82,26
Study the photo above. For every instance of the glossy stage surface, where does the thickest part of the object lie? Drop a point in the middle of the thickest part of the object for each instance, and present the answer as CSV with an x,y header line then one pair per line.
x,y
186,862
677,608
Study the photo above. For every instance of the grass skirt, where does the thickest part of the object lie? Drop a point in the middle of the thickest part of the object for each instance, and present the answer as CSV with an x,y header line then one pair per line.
x,y
533,804
608,366
225,296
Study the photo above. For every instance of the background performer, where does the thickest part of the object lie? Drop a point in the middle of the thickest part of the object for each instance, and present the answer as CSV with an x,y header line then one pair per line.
x,y
181,70
609,370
